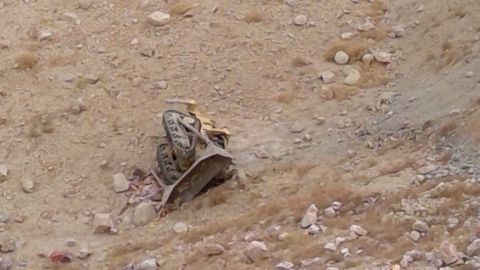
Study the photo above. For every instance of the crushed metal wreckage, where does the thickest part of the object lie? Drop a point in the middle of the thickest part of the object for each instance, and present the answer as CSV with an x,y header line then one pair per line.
x,y
191,157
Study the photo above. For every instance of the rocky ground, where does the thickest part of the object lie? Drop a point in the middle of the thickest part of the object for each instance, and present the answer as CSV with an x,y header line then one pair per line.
x,y
355,131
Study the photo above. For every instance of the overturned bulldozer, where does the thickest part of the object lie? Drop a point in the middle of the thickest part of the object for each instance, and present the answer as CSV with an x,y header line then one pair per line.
x,y
192,153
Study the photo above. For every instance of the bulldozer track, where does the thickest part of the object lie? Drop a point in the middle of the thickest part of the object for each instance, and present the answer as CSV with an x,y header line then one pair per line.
x,y
176,136
166,164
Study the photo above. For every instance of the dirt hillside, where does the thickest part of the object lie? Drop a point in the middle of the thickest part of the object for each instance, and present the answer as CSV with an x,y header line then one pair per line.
x,y
355,128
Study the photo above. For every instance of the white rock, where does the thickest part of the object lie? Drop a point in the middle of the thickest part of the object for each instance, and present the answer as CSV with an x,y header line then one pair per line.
x,y
143,214
469,74
366,26
285,265
330,246
255,251
158,18
399,31
383,57
352,78
328,76
415,235
336,204
102,223
120,183
347,70
420,226
359,231
330,212
421,8
180,227
3,173
474,248
150,264
341,58
300,20
455,112
310,217
27,185
368,57
45,34
160,85
346,36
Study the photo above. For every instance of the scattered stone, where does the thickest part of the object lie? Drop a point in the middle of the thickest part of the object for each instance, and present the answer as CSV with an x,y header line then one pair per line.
x,y
383,57
300,20
6,263
70,16
160,85
469,74
143,214
297,128
92,78
352,78
45,34
340,124
366,26
4,44
70,242
4,217
420,226
310,217
291,3
367,58
474,248
453,222
285,266
284,236
346,36
84,4
448,253
27,185
261,154
399,31
150,264
180,227
327,76
358,231
341,58
405,261
102,223
3,173
330,212
330,246
314,229
307,138
427,169
421,8
347,70
208,247
77,107
158,18
415,235
255,251
120,183
84,253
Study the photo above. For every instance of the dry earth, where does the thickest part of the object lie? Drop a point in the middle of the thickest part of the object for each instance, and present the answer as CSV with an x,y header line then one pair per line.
x,y
388,166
